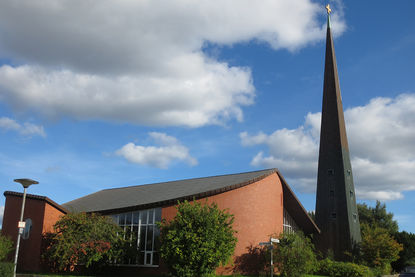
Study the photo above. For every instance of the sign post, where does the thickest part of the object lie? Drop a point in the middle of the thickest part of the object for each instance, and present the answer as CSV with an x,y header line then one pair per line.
x,y
270,247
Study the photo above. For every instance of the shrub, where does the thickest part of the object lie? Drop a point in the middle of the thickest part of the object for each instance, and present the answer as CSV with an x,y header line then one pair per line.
x,y
378,248
343,269
294,255
6,246
6,269
197,240
83,239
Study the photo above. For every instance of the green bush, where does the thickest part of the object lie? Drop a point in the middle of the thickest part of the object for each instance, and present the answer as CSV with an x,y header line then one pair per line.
x,y
84,239
197,240
6,246
6,269
294,255
343,269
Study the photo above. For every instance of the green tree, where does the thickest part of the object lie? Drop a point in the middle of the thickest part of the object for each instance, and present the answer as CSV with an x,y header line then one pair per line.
x,y
83,239
377,216
294,255
407,255
378,248
6,246
198,240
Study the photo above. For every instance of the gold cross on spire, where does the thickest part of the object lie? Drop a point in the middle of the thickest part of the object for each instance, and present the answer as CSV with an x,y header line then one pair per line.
x,y
328,9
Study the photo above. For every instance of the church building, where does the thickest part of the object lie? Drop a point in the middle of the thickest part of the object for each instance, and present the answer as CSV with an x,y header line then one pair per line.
x,y
261,201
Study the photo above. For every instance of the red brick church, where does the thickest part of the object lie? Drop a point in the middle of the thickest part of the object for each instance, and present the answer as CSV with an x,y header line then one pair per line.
x,y
261,201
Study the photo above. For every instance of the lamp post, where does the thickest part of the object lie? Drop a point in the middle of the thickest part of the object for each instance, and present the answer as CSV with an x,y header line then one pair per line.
x,y
21,225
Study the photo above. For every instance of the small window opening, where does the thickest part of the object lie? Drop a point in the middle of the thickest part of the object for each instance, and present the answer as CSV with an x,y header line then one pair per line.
x,y
355,217
330,172
351,194
333,215
27,229
331,193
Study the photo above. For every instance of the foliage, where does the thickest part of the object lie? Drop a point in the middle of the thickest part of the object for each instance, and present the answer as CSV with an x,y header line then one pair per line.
x,y
378,248
6,246
197,240
6,269
83,239
407,255
377,216
342,269
294,255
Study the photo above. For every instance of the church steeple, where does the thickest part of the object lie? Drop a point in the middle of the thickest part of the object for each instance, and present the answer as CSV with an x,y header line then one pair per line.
x,y
336,211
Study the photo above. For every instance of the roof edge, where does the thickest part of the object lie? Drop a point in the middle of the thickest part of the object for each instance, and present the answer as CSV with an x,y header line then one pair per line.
x,y
37,197
267,172
288,190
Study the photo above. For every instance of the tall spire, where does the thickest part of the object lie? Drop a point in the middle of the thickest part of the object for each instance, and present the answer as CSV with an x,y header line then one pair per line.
x,y
336,211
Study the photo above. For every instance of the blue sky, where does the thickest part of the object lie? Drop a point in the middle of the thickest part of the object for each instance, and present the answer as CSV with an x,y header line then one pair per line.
x,y
103,94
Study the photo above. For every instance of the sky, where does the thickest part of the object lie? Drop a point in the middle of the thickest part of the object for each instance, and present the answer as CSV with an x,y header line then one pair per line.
x,y
105,94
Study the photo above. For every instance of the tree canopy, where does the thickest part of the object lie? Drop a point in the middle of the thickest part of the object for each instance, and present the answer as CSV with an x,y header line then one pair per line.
x,y
294,255
83,239
377,216
407,255
197,240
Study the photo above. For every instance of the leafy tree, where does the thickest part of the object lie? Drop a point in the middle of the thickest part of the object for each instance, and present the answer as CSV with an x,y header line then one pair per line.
x,y
407,255
6,246
378,248
294,255
377,216
197,240
83,239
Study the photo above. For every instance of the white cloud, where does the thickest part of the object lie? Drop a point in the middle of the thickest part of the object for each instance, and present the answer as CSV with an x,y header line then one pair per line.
x,y
168,151
142,61
27,129
381,140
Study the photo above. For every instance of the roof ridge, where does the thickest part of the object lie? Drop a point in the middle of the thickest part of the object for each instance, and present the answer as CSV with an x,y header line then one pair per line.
x,y
188,179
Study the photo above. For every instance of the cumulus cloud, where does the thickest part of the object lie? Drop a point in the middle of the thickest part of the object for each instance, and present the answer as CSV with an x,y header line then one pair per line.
x,y
169,149
381,140
142,61
26,129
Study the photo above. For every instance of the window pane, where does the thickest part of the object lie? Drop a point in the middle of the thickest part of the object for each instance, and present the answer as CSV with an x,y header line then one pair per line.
x,y
150,216
143,232
149,242
156,238
141,258
136,218
128,233
128,219
143,216
148,258
134,237
122,219
158,215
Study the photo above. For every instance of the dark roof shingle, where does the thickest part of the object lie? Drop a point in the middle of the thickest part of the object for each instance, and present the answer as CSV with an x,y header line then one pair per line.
x,y
117,199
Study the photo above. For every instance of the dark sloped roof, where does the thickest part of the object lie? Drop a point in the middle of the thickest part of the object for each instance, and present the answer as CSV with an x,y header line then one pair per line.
x,y
37,197
117,199
160,194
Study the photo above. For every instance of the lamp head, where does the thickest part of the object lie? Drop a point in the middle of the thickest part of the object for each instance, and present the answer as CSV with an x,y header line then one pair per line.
x,y
26,182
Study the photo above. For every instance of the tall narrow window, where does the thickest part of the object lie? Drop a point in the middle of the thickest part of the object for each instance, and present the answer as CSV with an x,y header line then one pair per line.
x,y
141,230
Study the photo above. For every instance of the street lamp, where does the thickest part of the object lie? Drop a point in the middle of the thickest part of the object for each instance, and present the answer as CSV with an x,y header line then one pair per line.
x,y
21,225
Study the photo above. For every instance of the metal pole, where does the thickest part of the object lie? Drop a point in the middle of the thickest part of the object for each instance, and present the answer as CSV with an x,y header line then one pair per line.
x,y
19,234
272,262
